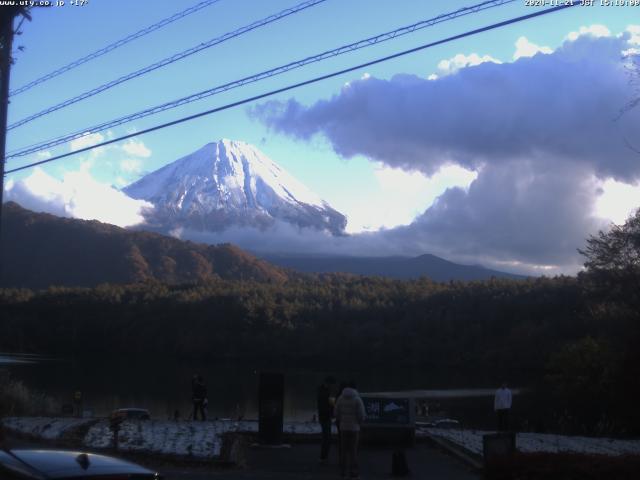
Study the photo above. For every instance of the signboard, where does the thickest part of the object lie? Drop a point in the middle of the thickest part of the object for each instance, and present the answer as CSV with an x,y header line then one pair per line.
x,y
397,412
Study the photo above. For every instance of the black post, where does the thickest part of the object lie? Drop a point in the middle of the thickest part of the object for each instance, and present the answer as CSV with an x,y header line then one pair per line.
x,y
6,37
498,450
271,408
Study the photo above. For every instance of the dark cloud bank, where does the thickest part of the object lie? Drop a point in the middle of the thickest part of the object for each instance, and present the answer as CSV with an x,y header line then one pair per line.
x,y
540,132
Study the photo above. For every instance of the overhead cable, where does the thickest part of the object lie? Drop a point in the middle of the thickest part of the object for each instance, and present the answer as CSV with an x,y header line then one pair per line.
x,y
113,46
383,37
167,61
302,84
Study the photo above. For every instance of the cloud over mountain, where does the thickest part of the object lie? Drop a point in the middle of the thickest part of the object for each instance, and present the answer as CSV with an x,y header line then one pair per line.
x,y
541,132
81,193
561,104
76,195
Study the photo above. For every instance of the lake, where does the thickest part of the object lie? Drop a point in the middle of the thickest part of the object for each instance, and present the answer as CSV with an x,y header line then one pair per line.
x,y
163,386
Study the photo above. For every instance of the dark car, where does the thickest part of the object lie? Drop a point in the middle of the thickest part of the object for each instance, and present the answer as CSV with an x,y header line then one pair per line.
x,y
130,414
68,465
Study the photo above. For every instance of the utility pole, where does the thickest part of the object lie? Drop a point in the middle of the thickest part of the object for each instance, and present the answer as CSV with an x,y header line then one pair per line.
x,y
6,41
7,16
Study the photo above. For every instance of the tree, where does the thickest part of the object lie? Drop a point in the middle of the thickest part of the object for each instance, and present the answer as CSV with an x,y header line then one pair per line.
x,y
612,285
580,381
632,65
613,261
617,250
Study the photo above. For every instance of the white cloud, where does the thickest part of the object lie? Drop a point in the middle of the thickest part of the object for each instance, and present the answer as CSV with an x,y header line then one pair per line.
x,y
595,30
77,195
136,148
85,140
452,65
489,113
131,165
403,196
121,182
132,147
617,201
634,34
85,165
44,154
526,48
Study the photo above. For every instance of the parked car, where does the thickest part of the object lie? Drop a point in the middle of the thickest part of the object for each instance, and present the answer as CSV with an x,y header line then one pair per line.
x,y
32,464
445,423
130,414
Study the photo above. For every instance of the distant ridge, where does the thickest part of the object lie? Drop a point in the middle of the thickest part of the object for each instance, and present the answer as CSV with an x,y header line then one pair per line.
x,y
436,268
39,250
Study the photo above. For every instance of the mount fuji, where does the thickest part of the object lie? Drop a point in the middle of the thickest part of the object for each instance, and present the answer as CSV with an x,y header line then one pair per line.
x,y
230,183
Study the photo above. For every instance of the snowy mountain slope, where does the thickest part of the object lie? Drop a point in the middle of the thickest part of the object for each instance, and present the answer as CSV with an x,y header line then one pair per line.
x,y
228,183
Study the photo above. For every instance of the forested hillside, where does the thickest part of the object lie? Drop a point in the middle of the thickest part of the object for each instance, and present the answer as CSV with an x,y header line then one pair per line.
x,y
39,250
573,339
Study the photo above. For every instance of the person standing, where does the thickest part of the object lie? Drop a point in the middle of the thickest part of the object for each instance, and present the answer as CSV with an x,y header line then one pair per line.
x,y
502,406
325,410
77,403
199,397
349,412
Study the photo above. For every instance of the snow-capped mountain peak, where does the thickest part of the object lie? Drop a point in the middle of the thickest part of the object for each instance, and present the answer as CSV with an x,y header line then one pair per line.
x,y
230,182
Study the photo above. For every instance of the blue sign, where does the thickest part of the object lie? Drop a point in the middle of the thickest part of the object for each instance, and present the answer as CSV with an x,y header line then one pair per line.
x,y
389,411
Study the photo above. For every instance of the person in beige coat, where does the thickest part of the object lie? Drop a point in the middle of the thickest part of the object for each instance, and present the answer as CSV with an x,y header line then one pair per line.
x,y
349,413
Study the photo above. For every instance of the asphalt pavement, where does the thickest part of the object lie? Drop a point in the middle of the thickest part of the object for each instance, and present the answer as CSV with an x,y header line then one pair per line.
x,y
300,461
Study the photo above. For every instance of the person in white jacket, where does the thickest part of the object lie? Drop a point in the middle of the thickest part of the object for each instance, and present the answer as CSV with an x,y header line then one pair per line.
x,y
349,413
502,406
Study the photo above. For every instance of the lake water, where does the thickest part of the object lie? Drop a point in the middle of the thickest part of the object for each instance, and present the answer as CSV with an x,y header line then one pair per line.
x,y
164,385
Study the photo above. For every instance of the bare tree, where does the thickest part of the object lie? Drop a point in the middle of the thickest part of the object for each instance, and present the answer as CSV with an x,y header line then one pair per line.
x,y
632,65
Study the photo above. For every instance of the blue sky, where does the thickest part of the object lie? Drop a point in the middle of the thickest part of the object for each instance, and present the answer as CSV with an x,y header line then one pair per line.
x,y
369,191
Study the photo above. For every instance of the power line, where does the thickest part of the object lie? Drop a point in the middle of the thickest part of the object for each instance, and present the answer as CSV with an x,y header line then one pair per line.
x,y
261,76
169,60
304,83
114,45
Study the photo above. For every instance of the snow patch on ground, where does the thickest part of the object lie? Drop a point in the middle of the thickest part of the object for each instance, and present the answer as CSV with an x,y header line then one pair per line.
x,y
48,428
99,436
194,439
471,440
183,438
204,439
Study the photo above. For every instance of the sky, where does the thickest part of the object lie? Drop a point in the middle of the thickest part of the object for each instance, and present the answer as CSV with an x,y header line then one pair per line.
x,y
505,149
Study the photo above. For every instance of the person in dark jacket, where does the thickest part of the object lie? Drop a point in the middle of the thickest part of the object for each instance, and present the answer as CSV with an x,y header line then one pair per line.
x,y
325,412
199,397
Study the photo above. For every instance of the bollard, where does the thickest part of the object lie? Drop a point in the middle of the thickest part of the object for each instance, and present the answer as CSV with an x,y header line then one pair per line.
x,y
271,408
498,450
